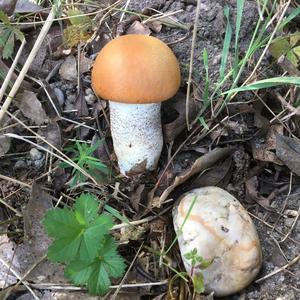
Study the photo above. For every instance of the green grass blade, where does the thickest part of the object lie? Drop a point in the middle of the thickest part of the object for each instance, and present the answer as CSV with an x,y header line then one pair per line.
x,y
203,123
293,15
226,44
267,83
240,8
116,214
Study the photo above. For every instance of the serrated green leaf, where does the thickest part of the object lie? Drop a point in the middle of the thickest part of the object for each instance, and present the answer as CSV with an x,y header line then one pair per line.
x,y
96,274
61,223
76,233
64,249
79,272
93,235
86,208
109,264
8,48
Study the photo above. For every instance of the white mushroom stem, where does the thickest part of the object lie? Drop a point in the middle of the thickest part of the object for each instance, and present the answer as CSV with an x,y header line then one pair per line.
x,y
137,134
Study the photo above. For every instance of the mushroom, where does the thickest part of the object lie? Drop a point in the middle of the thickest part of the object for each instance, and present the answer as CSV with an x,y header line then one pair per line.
x,y
136,73
213,222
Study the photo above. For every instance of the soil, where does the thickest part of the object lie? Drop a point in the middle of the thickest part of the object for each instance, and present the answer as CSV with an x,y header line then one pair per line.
x,y
275,204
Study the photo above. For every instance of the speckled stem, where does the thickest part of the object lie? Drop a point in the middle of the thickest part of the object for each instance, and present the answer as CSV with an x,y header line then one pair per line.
x,y
137,135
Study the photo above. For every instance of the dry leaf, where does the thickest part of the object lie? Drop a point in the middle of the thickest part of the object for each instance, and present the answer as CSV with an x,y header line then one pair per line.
x,y
201,164
288,151
138,28
80,105
85,64
156,26
36,241
136,196
68,70
218,175
31,107
176,107
7,253
52,134
26,6
5,141
264,152
252,193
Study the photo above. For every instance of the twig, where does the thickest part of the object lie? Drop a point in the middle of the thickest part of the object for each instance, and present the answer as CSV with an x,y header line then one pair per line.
x,y
138,222
65,287
11,70
15,181
11,208
28,62
292,262
126,274
188,91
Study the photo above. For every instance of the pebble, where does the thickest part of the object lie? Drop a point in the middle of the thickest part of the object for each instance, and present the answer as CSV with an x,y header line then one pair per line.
x,y
20,164
71,98
221,231
288,222
69,106
35,154
90,99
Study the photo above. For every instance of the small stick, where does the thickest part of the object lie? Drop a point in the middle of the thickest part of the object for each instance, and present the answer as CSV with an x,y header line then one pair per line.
x,y
28,62
11,70
292,262
188,91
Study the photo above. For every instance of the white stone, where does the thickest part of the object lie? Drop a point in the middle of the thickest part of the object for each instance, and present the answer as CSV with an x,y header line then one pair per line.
x,y
221,231
137,134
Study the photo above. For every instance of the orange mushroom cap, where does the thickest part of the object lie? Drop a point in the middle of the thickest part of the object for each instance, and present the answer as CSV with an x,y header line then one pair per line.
x,y
136,69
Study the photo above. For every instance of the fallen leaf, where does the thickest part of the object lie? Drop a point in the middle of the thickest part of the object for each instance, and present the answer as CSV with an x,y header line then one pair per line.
x,y
52,134
31,107
36,241
85,64
26,6
266,151
252,193
80,105
68,70
204,162
4,70
174,110
138,28
156,26
5,142
33,213
136,196
7,253
288,151
219,175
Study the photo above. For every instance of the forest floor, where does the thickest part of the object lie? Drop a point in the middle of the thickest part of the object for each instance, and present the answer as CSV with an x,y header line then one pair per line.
x,y
234,123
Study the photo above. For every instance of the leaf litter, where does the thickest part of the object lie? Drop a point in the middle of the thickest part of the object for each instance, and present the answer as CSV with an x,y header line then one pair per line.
x,y
267,143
